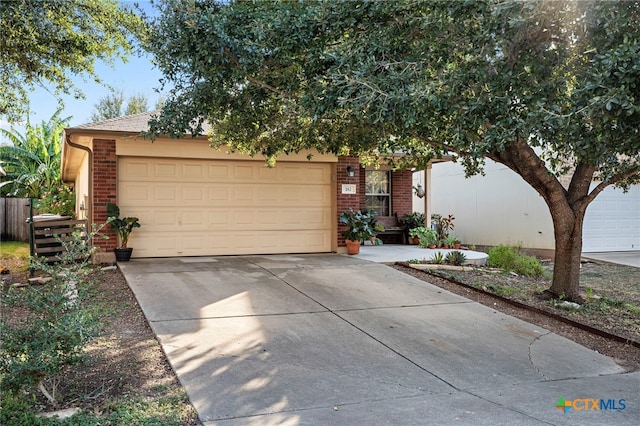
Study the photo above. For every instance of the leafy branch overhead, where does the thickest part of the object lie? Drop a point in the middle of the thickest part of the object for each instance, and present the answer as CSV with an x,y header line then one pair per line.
x,y
546,88
44,43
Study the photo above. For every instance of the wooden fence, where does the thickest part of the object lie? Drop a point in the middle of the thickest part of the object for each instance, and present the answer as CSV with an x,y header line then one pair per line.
x,y
14,213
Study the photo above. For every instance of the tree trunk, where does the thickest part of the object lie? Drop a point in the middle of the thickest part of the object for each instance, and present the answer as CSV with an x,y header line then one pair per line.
x,y
567,207
566,265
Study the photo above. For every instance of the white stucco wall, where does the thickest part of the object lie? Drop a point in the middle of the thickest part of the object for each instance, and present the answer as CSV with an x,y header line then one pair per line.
x,y
498,208
418,203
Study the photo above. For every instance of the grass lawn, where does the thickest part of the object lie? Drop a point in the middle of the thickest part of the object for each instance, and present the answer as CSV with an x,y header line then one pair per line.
x,y
14,250
14,258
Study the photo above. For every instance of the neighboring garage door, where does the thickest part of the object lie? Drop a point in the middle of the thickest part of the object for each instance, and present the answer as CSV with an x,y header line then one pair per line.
x,y
218,207
612,221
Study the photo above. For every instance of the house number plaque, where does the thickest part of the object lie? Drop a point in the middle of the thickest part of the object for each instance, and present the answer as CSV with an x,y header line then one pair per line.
x,y
348,188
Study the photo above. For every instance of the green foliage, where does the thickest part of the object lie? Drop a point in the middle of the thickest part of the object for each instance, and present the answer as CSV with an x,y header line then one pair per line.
x,y
32,161
122,226
545,88
443,225
55,323
456,258
112,106
427,236
509,259
60,200
501,290
15,410
360,225
47,42
413,220
451,240
438,258
604,303
165,410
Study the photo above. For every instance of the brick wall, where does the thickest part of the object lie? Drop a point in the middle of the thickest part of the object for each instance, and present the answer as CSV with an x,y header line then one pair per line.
x,y
104,188
402,192
346,201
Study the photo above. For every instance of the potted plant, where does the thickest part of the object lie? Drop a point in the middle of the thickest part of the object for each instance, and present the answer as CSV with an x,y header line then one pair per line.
x,y
427,236
123,228
456,243
442,225
360,227
449,241
412,221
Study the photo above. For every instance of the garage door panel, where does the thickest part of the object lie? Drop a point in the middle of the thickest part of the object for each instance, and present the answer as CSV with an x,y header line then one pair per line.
x,y
612,221
219,172
160,245
194,193
133,192
222,243
193,170
166,193
210,207
218,193
136,169
244,172
165,169
162,220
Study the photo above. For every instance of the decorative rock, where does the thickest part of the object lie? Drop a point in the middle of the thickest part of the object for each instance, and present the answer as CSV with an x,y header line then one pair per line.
x,y
61,414
568,305
109,268
423,266
40,280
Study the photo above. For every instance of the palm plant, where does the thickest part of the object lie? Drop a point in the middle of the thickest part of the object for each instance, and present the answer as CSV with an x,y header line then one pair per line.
x,y
32,160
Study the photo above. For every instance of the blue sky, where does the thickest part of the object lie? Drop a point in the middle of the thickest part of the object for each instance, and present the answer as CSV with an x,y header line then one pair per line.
x,y
136,76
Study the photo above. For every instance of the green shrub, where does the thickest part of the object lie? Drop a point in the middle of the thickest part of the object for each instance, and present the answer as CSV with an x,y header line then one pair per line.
x,y
59,200
456,258
54,323
508,258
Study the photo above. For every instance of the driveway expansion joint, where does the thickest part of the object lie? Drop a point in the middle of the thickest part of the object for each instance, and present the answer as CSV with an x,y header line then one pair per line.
x,y
530,347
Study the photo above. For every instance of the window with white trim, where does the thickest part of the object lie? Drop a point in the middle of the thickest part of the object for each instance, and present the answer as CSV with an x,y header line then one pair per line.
x,y
377,185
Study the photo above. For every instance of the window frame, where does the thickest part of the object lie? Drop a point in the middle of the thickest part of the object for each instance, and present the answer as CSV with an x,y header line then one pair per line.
x,y
388,194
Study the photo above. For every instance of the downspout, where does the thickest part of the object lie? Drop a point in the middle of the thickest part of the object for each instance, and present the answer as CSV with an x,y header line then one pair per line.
x,y
89,152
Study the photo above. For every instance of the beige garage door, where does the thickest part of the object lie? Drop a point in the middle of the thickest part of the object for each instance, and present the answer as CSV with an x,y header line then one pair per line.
x,y
217,207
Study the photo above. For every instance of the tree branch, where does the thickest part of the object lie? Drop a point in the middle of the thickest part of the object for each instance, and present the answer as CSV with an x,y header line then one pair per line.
x,y
580,182
615,179
523,160
234,59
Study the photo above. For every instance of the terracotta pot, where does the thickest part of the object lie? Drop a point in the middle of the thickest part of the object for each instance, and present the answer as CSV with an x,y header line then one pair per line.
x,y
353,247
432,246
456,246
414,240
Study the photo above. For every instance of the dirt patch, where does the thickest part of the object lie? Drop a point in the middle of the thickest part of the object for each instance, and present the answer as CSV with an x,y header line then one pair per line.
x,y
126,361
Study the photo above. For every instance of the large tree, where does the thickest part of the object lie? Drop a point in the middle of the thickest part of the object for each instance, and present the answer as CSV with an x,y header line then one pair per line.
x,y
549,89
48,42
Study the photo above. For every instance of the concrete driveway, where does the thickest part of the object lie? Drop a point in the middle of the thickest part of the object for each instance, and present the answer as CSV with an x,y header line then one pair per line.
x,y
328,339
629,258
